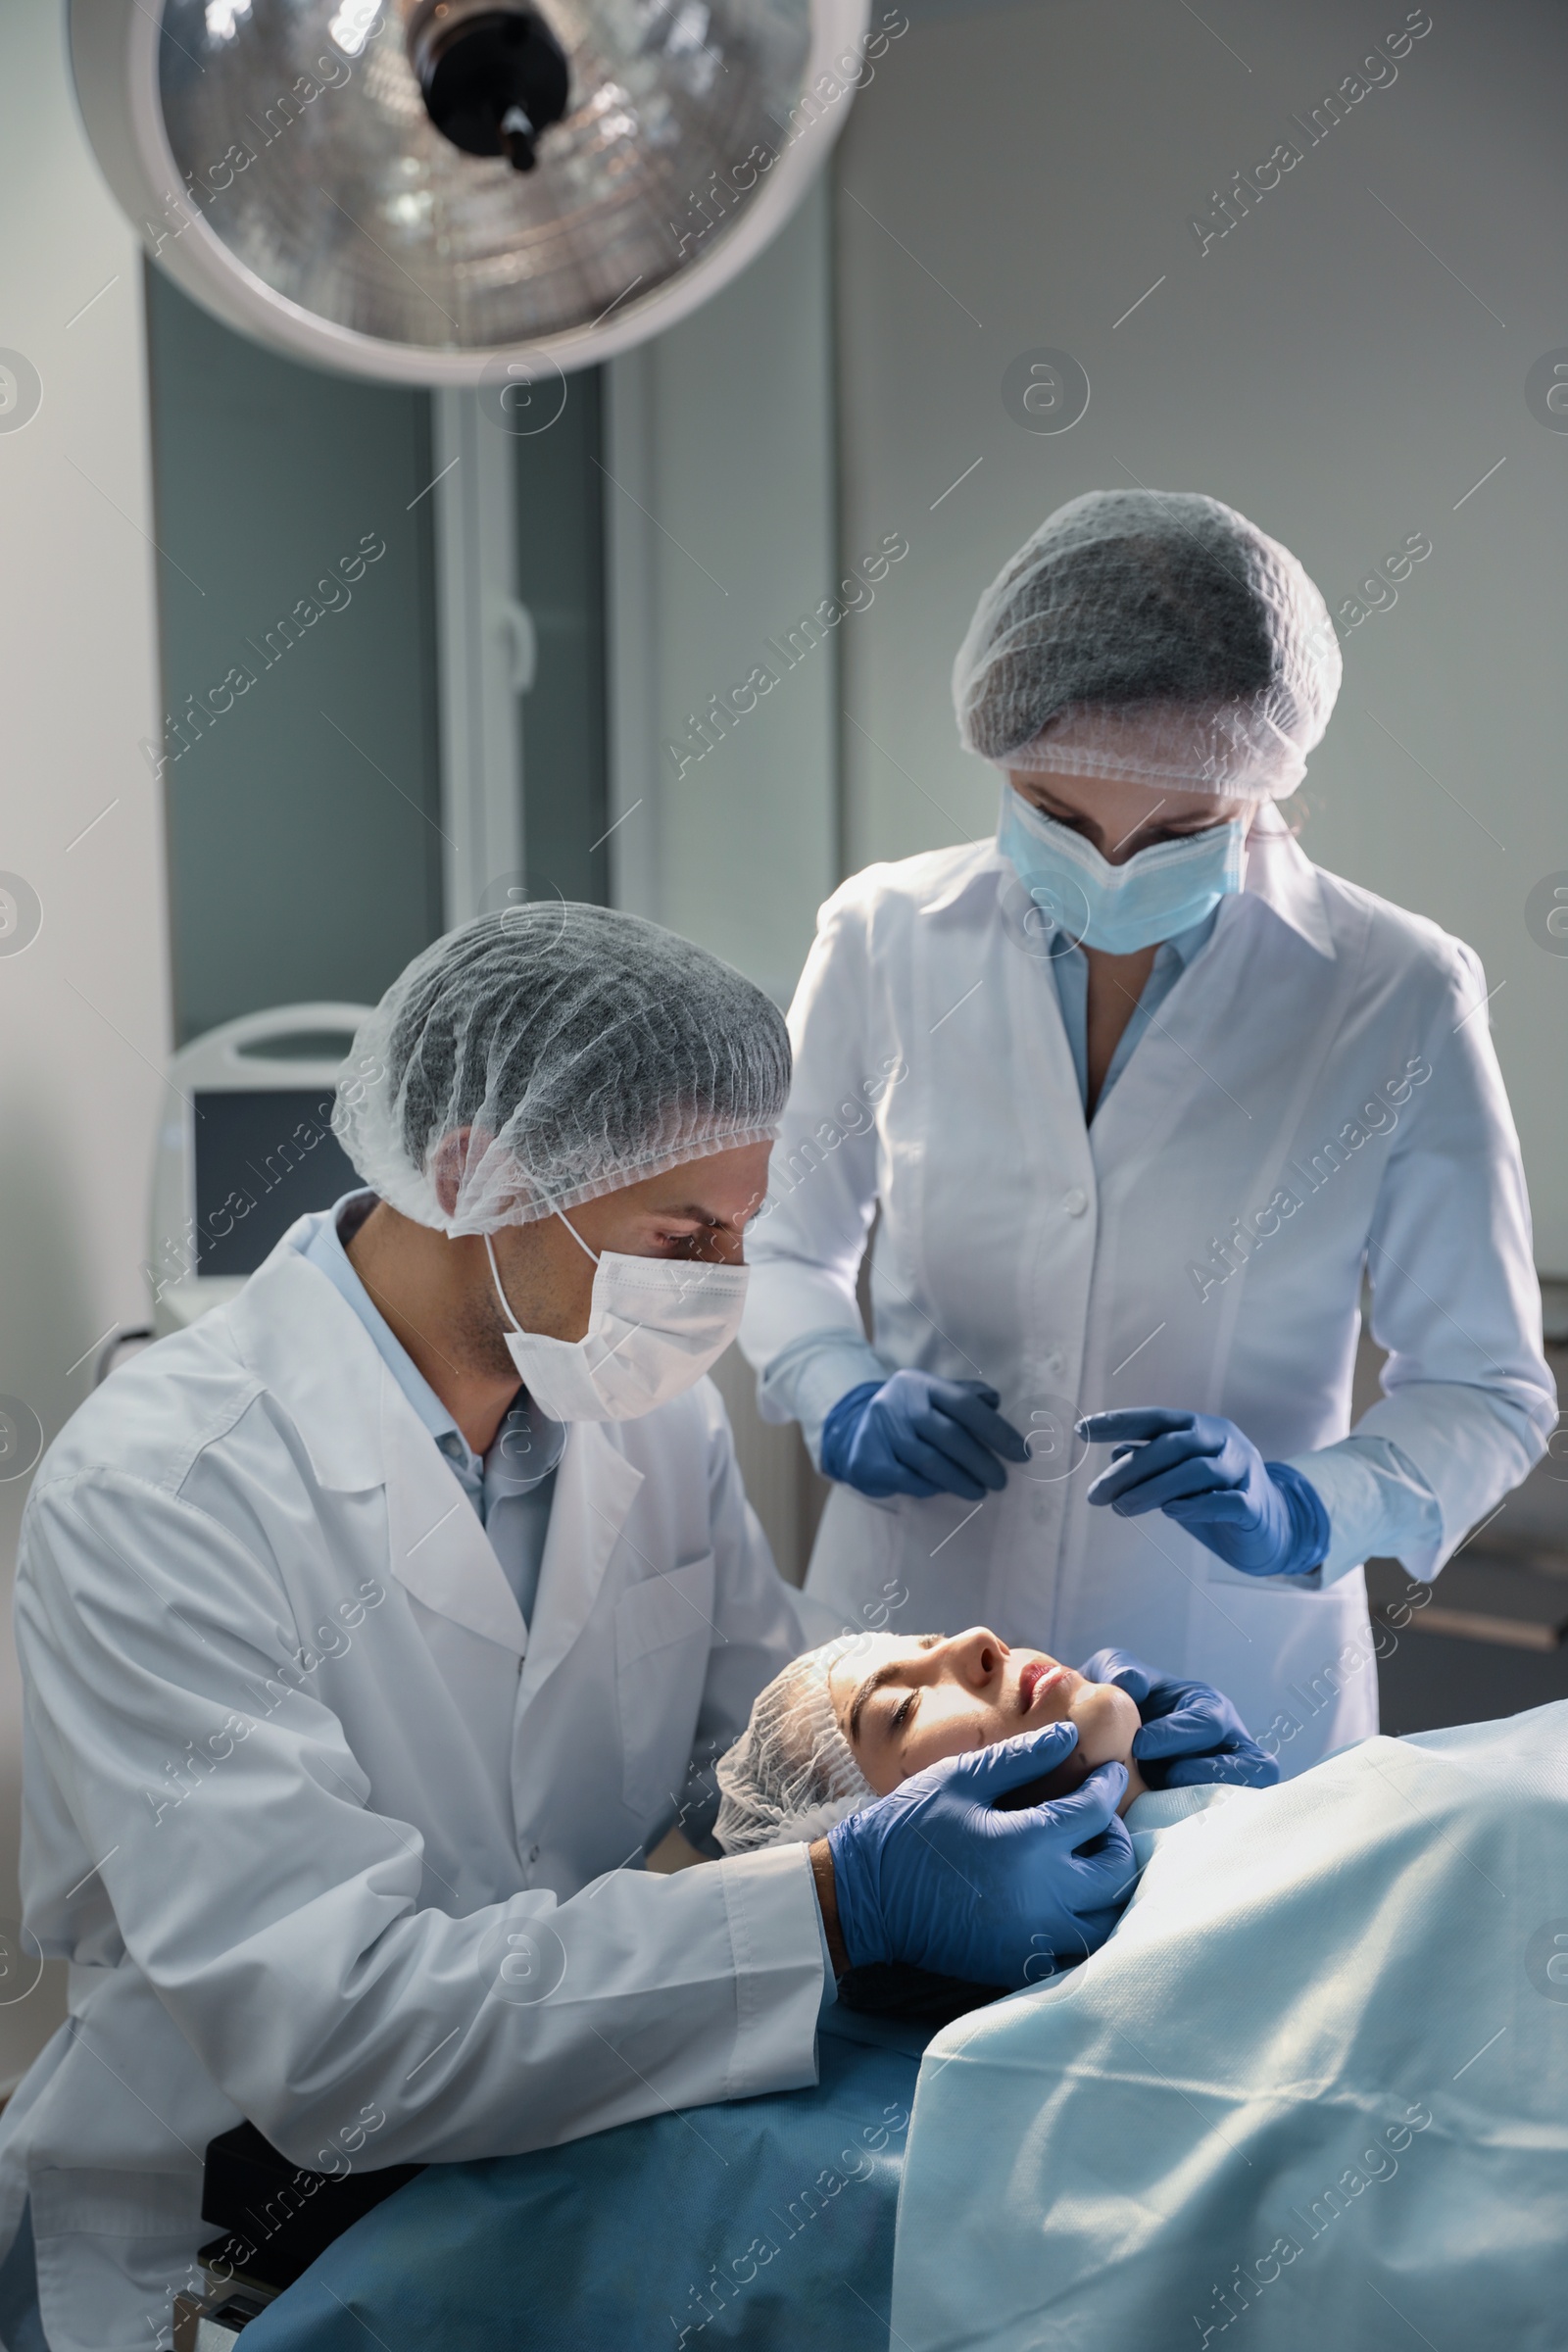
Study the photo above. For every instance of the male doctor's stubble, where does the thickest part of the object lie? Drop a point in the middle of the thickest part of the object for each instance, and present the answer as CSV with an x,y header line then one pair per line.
x,y
1168,1092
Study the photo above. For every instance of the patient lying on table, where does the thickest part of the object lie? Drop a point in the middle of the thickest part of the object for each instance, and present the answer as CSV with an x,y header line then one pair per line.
x,y
847,1723
1316,2076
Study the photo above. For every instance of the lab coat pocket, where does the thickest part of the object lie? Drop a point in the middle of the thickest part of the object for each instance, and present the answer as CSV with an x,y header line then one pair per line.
x,y
663,1633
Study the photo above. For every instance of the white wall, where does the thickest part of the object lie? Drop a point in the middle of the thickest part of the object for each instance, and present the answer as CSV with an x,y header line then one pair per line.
x,y
722,519
83,1013
1017,178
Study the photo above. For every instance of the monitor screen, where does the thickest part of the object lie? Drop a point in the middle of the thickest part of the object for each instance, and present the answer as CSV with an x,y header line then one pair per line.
x,y
262,1160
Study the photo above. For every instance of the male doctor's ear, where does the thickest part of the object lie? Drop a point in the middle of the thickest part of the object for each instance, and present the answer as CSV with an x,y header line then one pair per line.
x,y
448,1162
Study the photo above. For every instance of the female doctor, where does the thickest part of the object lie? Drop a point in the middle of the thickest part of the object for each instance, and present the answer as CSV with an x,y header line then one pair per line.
x,y
1141,1097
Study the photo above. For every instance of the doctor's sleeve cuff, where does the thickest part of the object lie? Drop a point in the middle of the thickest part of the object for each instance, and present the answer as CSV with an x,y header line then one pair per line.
x,y
1379,1506
780,1956
806,1380
830,1983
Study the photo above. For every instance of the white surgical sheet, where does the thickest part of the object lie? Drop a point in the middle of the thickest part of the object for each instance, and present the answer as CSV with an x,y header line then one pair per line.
x,y
1313,2092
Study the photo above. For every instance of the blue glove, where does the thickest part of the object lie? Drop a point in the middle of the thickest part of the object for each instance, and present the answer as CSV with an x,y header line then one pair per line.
x,y
1261,1517
935,1874
1192,1735
917,1435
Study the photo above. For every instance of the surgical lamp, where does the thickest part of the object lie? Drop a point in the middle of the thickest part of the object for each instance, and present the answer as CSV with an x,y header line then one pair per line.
x,y
456,191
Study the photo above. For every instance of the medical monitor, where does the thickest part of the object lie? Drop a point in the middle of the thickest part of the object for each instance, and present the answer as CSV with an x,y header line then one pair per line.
x,y
263,1158
245,1148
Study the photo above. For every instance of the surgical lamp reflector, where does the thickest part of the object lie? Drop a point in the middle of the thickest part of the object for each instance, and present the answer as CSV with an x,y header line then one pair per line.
x,y
424,190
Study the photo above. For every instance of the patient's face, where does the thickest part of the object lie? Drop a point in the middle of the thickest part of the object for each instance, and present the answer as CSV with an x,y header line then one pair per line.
x,y
904,1702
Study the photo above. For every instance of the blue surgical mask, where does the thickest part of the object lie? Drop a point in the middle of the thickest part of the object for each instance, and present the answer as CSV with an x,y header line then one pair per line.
x,y
1159,892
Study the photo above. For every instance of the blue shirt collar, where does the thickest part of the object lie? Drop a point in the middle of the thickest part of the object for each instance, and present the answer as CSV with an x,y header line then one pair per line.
x,y
527,1445
325,1249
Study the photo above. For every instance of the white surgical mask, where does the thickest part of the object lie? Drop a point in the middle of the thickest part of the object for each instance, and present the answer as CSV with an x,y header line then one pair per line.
x,y
655,1325
1157,893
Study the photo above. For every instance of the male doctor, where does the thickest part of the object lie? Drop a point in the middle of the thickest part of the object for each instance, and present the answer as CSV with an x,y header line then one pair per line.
x,y
373,1625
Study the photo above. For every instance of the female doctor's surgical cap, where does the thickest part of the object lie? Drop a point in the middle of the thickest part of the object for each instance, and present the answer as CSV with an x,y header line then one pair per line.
x,y
1155,635
791,1774
576,1049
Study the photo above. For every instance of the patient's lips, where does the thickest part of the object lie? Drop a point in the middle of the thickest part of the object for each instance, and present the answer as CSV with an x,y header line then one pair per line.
x,y
1040,1680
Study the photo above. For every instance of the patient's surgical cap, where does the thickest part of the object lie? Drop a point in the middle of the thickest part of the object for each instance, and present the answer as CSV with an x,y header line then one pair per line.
x,y
791,1774
1155,635
576,1049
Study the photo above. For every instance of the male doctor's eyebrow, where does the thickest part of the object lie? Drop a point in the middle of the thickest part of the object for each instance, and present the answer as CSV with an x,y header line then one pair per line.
x,y
694,1214
877,1679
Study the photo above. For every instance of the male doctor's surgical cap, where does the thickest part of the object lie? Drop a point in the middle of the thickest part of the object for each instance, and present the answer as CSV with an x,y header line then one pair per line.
x,y
1155,635
791,1774
581,1050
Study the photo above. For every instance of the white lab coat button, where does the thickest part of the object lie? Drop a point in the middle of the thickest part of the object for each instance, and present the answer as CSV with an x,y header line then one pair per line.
x,y
533,1854
1075,1201
1054,1361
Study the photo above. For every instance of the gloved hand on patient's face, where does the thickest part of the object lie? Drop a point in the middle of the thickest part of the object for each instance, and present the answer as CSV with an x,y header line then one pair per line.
x,y
1201,1470
1190,1734
939,1875
915,1434
991,1866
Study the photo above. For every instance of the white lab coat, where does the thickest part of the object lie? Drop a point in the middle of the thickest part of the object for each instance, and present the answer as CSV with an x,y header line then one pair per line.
x,y
1081,1267
296,1770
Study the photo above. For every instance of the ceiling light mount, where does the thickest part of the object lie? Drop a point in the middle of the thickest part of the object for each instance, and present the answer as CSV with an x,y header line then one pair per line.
x,y
493,78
